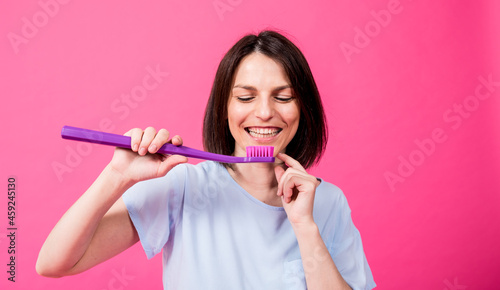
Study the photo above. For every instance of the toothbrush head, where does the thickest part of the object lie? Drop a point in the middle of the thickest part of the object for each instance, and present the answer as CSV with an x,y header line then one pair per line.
x,y
260,154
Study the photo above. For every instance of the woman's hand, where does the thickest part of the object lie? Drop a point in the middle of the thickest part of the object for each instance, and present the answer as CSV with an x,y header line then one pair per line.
x,y
297,189
142,162
98,226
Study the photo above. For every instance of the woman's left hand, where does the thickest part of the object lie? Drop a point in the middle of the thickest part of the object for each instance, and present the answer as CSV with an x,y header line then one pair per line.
x,y
297,189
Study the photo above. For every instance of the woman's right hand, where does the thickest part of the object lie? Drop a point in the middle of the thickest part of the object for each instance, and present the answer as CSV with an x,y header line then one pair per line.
x,y
97,226
142,162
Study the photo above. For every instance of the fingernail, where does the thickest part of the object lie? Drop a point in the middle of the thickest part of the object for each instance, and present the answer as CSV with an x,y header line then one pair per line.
x,y
152,148
142,151
135,147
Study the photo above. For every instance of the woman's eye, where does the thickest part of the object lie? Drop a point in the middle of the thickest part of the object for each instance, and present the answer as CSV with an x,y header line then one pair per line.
x,y
284,98
245,98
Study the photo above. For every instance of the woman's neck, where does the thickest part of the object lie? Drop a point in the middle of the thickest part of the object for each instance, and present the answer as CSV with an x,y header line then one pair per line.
x,y
258,179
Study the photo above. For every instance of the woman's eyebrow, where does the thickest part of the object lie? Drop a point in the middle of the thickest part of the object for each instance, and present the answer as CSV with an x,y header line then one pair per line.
x,y
250,88
246,87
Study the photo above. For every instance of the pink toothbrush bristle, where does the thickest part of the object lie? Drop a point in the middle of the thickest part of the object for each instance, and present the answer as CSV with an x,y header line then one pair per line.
x,y
260,151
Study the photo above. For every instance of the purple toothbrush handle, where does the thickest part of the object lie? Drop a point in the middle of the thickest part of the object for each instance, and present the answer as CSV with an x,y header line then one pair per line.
x,y
85,135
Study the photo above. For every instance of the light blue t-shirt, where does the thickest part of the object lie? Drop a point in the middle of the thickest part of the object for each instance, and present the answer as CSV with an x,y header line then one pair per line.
x,y
215,235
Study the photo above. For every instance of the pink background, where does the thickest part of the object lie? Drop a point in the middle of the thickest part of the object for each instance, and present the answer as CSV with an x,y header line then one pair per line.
x,y
387,87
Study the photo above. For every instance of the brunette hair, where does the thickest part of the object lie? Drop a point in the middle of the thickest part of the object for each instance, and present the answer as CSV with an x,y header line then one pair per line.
x,y
309,142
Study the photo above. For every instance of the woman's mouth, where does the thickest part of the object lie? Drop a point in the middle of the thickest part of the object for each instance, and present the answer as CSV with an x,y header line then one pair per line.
x,y
257,132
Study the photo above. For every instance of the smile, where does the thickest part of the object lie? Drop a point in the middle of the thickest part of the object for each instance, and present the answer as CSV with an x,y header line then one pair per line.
x,y
263,132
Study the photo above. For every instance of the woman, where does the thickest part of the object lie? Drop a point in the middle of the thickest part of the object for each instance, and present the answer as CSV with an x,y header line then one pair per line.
x,y
226,226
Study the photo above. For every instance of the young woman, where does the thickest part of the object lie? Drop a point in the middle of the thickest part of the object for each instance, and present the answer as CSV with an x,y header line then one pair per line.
x,y
226,226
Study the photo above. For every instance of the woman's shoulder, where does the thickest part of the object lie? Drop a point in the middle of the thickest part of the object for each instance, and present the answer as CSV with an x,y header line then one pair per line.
x,y
329,190
331,210
330,196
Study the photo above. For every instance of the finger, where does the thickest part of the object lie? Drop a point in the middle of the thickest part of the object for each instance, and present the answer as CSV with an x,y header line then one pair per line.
x,y
147,137
177,140
284,183
288,187
170,163
293,181
290,161
128,133
279,171
135,138
158,141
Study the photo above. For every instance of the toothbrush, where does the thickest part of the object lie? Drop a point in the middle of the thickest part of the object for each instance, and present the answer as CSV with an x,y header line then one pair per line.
x,y
254,153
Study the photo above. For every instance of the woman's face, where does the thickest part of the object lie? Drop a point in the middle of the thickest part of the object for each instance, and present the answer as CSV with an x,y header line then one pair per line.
x,y
262,109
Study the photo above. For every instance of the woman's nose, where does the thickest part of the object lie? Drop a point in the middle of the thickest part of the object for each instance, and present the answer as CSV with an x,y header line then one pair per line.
x,y
264,109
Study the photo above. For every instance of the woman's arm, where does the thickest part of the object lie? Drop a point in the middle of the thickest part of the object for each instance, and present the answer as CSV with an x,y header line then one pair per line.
x,y
297,189
97,226
94,229
319,269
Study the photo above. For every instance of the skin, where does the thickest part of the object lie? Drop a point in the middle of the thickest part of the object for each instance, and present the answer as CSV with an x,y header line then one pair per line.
x,y
261,99
97,227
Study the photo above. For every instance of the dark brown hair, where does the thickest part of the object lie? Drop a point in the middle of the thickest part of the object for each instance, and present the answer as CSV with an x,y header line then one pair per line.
x,y
309,142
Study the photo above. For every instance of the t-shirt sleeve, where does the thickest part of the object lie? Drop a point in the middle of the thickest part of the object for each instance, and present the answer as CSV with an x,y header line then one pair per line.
x,y
153,206
347,249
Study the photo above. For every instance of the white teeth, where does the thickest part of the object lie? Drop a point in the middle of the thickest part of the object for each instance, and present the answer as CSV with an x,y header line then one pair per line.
x,y
263,132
